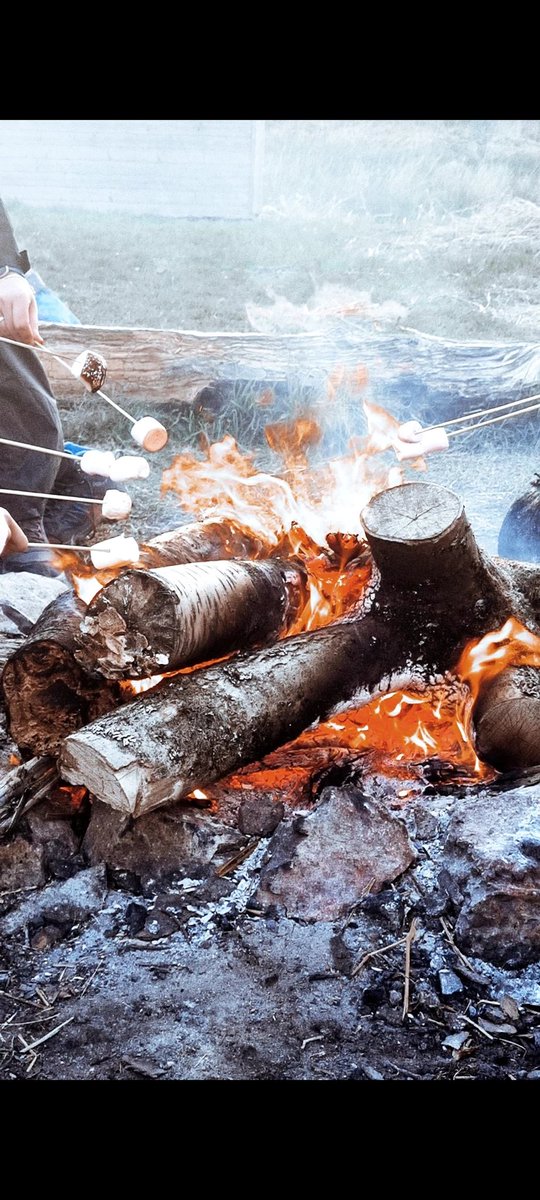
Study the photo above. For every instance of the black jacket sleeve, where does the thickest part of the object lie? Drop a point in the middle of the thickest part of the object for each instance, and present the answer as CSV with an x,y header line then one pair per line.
x,y
10,256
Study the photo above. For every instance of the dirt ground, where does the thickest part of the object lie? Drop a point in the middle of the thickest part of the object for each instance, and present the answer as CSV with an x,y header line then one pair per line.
x,y
108,976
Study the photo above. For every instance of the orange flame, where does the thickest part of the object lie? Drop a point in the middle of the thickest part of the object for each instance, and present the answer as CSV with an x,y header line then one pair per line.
x,y
293,513
400,730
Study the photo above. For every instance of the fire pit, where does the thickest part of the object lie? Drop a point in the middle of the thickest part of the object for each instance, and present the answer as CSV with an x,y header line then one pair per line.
x,y
328,798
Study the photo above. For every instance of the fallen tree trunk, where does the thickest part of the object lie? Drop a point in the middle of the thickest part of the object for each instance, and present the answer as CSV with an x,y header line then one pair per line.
x,y
436,590
147,622
46,691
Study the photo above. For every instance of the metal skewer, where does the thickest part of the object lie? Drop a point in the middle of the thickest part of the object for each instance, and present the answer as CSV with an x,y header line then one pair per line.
x,y
62,361
493,421
483,412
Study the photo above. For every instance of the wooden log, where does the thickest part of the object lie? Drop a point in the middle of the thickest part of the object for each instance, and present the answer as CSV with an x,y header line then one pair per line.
x,y
507,719
47,693
194,729
22,788
200,541
148,622
175,365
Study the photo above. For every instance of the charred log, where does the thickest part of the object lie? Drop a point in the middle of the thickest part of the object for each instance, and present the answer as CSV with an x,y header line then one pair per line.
x,y
435,591
507,719
47,693
148,622
22,788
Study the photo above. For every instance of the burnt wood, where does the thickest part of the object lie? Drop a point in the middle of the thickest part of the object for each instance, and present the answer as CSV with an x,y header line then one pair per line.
x,y
433,590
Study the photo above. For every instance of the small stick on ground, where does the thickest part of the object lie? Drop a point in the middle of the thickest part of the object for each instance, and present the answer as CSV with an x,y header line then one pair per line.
x,y
408,943
372,953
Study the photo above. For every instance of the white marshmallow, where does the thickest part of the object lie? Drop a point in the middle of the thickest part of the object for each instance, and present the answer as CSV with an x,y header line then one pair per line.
x,y
428,441
150,434
410,431
115,505
113,551
91,368
130,466
97,462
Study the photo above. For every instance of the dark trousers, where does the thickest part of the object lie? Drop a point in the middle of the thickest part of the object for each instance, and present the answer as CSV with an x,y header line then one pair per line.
x,y
28,413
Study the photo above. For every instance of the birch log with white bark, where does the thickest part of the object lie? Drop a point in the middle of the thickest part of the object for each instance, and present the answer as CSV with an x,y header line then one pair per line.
x,y
436,591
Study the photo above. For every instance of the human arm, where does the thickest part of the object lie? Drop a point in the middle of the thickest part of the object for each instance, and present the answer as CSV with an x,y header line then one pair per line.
x,y
18,308
12,537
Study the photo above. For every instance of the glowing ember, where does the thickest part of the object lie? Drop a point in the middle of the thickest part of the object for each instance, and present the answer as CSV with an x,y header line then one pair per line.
x,y
400,730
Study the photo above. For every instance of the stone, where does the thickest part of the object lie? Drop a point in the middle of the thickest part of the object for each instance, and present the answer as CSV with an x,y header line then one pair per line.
x,y
492,875
21,865
171,839
449,983
259,816
69,902
23,596
319,867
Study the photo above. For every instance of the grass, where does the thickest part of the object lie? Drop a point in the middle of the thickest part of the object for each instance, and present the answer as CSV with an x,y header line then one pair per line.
x,y
436,223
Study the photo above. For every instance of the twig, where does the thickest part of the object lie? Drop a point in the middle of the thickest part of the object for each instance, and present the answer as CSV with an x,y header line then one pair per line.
x,y
372,953
306,1041
238,858
93,975
408,943
30,1047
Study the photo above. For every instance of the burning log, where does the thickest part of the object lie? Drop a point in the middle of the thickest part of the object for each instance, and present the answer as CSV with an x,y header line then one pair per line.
x,y
47,692
146,622
436,590
507,719
201,541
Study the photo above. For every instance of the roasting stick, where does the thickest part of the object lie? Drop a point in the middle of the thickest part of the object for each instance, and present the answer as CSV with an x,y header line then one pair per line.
x,y
40,449
493,420
146,431
65,546
483,412
116,505
45,350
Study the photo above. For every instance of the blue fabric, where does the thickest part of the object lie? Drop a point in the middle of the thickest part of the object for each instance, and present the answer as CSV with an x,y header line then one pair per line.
x,y
51,308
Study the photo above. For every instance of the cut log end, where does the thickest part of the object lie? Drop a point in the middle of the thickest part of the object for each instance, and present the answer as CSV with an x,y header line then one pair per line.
x,y
507,720
411,513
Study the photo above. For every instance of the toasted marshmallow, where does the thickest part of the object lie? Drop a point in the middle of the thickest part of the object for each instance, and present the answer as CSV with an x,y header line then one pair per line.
x,y
115,505
91,368
427,442
113,551
130,466
97,462
149,434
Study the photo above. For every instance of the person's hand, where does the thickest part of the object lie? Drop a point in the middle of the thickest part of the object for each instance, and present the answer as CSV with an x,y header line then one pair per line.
x,y
18,310
12,537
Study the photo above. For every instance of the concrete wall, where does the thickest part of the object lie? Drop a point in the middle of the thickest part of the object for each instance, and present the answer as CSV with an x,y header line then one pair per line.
x,y
162,168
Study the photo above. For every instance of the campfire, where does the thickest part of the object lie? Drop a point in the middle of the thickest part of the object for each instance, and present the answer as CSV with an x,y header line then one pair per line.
x,y
305,621
316,702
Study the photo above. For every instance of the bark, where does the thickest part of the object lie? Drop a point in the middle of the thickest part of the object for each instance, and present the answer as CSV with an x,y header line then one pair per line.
x,y
507,719
201,541
147,622
436,590
46,692
22,788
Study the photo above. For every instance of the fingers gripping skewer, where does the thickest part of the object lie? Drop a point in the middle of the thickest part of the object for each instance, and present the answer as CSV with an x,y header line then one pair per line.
x,y
91,369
